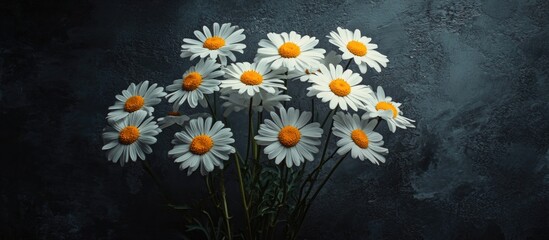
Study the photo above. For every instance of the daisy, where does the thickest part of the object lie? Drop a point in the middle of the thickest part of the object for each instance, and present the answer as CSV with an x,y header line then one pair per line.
x,y
130,137
172,118
202,145
358,47
136,97
222,43
382,106
339,88
358,136
236,102
250,78
290,51
331,58
289,137
196,82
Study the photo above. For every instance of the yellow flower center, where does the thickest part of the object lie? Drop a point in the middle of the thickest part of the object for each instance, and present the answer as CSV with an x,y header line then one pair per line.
x,y
192,81
128,135
289,50
387,106
360,138
289,136
357,48
201,144
134,103
251,77
174,114
340,87
214,43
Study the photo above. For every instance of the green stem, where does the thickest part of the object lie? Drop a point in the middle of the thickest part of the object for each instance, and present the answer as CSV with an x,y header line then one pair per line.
x,y
257,155
211,108
278,205
313,108
148,169
308,205
285,91
331,113
301,200
215,102
302,172
284,181
243,194
378,121
250,117
326,179
211,191
256,146
225,207
212,231
348,63
317,170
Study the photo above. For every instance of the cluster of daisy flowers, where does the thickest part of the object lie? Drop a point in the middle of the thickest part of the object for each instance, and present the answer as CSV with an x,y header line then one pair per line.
x,y
289,135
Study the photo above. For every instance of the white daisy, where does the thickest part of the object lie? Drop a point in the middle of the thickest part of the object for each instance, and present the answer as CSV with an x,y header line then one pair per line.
x,y
290,51
289,137
358,136
202,145
339,88
383,106
130,137
196,82
172,118
331,58
221,43
358,47
136,97
250,78
235,102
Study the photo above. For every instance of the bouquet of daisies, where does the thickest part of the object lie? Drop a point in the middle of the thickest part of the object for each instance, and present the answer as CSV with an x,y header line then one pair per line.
x,y
286,162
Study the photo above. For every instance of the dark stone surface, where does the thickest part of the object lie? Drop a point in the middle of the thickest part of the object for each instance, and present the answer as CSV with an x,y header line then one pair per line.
x,y
474,74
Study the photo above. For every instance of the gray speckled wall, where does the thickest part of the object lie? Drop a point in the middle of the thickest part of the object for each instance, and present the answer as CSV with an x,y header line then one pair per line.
x,y
474,74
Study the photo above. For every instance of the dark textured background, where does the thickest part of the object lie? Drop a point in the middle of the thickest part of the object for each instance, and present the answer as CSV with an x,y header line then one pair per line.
x,y
474,74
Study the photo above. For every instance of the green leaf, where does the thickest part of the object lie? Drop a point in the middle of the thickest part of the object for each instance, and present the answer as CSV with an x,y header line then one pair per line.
x,y
198,227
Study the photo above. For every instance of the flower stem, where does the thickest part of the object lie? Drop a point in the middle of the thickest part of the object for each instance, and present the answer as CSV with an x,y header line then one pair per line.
x,y
256,155
348,64
243,194
308,205
215,102
377,124
286,87
257,148
245,202
331,113
208,179
211,108
313,107
302,199
314,174
225,207
250,117
326,180
148,169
